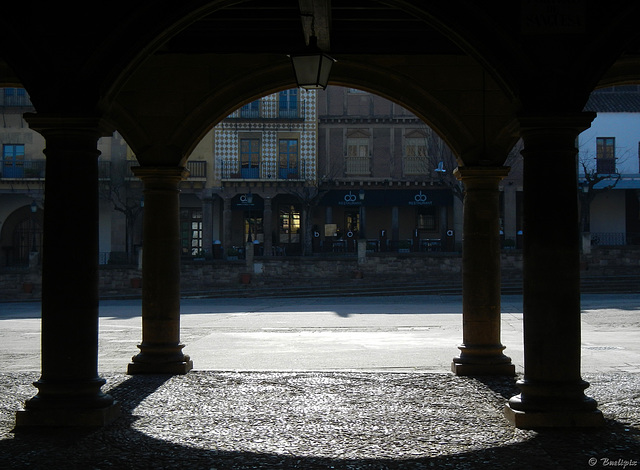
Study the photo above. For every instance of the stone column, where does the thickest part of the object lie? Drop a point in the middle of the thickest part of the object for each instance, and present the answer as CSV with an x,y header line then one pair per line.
x,y
552,391
481,352
510,213
267,227
226,226
160,350
69,387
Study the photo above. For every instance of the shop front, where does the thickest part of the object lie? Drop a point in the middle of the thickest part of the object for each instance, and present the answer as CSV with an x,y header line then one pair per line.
x,y
389,219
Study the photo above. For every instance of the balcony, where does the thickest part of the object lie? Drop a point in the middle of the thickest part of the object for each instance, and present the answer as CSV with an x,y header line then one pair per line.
x,y
415,166
605,166
197,170
264,172
22,170
357,166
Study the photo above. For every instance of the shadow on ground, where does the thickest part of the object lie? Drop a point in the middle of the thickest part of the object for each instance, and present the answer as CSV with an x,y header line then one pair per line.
x,y
306,420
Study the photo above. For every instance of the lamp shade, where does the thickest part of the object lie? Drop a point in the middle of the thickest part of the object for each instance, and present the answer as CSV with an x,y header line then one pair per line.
x,y
312,67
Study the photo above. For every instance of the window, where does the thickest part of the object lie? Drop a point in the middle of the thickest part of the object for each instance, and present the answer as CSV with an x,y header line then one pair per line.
x,y
289,218
427,218
288,158
288,104
13,161
250,158
357,160
605,155
191,232
253,225
352,223
251,110
358,147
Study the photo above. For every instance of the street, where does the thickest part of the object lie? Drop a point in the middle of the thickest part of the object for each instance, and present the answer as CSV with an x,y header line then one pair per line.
x,y
408,333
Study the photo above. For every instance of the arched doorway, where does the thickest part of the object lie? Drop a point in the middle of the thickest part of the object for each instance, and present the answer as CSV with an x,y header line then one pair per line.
x,y
22,237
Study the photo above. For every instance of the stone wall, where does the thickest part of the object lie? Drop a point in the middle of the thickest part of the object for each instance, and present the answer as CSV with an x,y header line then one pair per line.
x,y
285,271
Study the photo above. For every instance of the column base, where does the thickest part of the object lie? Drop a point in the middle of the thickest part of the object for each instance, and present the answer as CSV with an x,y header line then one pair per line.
x,y
93,417
553,404
160,360
553,419
482,360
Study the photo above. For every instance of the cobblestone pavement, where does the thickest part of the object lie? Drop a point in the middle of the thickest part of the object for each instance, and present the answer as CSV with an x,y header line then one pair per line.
x,y
321,420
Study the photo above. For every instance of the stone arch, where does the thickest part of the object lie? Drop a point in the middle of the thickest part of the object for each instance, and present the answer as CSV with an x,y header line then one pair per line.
x,y
20,216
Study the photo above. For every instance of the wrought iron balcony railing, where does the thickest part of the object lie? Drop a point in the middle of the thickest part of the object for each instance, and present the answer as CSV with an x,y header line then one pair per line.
x,y
269,171
22,170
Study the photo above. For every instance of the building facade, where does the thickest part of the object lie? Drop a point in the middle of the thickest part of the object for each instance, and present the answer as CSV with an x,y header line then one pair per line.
x,y
295,172
608,160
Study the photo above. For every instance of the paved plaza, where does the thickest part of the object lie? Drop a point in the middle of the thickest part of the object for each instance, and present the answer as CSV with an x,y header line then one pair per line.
x,y
353,383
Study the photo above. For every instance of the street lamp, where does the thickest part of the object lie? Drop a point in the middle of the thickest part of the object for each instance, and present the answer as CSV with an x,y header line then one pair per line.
x,y
312,66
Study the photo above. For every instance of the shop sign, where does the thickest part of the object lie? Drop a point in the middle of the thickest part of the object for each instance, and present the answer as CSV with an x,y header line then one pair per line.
x,y
388,197
420,199
241,202
350,199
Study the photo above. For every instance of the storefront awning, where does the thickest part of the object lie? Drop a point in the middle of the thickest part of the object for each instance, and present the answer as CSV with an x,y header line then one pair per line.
x,y
388,197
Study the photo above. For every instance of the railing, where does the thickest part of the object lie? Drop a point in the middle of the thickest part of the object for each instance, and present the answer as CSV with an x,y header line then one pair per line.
x,y
14,97
249,113
23,170
289,113
415,165
269,110
104,170
197,169
357,166
265,171
607,238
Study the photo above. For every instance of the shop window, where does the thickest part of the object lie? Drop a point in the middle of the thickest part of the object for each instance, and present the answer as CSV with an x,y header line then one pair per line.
x,y
253,226
352,223
426,219
289,224
191,232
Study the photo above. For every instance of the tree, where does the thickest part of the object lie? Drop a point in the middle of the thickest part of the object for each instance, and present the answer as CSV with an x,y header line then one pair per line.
x,y
587,190
124,197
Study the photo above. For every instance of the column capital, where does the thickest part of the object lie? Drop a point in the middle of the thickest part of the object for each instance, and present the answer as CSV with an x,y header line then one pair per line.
x,y
480,174
151,175
52,124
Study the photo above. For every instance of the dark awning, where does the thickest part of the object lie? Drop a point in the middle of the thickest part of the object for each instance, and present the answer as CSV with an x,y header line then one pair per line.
x,y
388,197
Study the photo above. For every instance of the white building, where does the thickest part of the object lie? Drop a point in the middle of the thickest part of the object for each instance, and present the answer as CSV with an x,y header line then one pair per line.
x,y
609,154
